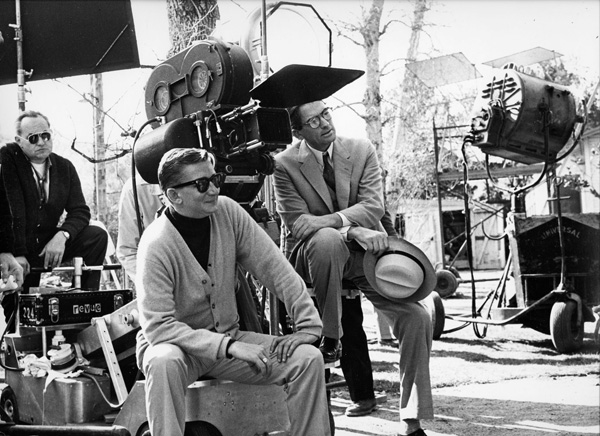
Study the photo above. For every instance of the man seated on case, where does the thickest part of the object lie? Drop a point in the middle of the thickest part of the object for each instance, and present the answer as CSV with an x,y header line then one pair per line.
x,y
186,276
330,195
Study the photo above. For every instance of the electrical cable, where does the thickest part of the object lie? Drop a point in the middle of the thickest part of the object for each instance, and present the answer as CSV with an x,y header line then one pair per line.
x,y
466,198
113,406
8,323
138,215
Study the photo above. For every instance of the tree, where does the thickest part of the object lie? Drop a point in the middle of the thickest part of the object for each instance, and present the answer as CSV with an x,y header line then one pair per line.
x,y
189,21
370,32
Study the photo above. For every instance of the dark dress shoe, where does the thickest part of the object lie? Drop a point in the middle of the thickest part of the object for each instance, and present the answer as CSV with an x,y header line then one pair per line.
x,y
419,432
362,407
331,349
389,343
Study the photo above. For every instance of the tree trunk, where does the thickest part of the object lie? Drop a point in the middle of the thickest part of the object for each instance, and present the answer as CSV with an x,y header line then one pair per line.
x,y
189,21
99,147
410,81
372,97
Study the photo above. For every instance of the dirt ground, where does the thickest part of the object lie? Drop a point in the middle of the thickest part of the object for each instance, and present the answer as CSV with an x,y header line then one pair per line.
x,y
511,382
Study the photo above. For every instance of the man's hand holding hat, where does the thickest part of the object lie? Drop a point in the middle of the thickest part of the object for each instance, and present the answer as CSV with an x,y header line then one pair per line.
x,y
371,240
401,273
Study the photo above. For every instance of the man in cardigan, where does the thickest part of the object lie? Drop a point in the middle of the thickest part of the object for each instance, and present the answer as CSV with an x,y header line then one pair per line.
x,y
186,275
330,195
41,186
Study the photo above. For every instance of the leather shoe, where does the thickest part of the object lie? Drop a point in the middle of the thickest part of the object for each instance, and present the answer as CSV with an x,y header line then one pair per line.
x,y
331,349
389,343
419,432
362,407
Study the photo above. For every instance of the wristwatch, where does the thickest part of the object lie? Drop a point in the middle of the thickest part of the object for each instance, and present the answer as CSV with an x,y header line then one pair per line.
x,y
66,234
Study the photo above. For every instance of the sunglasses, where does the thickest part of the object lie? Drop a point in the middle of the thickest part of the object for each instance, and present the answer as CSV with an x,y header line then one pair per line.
x,y
34,138
202,183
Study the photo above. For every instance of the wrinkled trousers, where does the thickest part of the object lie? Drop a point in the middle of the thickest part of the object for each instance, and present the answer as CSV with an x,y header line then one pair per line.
x,y
169,371
324,260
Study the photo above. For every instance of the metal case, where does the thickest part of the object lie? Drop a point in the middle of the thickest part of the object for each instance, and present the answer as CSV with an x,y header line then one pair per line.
x,y
46,309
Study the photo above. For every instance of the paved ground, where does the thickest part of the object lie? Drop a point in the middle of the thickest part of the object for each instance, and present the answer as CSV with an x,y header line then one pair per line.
x,y
563,398
578,395
556,401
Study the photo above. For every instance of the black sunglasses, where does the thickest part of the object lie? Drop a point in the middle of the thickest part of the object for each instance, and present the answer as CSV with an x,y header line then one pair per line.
x,y
202,183
34,138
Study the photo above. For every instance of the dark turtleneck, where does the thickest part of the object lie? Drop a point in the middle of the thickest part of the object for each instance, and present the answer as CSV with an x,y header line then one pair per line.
x,y
195,232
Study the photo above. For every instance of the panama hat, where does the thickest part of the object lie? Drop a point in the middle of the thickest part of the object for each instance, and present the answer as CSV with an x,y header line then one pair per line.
x,y
402,273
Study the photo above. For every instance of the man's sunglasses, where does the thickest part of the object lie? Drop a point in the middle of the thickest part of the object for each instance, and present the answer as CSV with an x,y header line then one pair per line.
x,y
34,138
203,183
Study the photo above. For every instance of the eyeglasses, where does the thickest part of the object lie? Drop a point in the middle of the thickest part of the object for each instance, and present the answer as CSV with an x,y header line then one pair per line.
x,y
315,122
34,138
202,183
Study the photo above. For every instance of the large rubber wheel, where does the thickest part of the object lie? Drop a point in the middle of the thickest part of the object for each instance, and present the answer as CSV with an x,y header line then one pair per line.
x,y
8,404
567,334
439,318
447,283
200,428
144,430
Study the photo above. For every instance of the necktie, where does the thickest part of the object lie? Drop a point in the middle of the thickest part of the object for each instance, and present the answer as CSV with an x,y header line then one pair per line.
x,y
328,173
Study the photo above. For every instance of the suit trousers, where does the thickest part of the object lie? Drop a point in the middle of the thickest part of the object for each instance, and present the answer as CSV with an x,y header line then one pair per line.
x,y
169,370
355,361
90,244
326,258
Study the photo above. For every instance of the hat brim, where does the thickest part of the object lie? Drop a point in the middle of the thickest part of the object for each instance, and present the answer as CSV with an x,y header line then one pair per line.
x,y
403,246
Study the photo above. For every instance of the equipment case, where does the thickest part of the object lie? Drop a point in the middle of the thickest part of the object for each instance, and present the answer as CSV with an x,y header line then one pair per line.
x,y
51,308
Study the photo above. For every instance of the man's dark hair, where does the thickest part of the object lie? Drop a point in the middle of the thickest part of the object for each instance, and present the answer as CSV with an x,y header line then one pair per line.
x,y
174,160
295,120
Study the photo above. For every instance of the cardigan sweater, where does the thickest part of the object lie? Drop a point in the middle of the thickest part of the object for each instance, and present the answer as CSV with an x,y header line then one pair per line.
x,y
183,304
35,223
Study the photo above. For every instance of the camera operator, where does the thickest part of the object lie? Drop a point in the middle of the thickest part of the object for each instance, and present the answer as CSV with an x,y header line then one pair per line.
x,y
186,274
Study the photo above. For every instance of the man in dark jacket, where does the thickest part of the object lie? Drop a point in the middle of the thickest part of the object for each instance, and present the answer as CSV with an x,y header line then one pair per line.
x,y
8,264
40,187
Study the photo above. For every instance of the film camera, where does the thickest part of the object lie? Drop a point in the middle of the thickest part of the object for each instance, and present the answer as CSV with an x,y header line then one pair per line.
x,y
202,97
514,110
205,98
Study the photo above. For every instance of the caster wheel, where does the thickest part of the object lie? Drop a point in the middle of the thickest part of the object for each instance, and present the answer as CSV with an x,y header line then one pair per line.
x,y
447,283
9,411
567,334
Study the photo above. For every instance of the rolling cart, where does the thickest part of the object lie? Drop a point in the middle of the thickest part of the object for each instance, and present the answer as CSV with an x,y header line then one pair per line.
x,y
554,259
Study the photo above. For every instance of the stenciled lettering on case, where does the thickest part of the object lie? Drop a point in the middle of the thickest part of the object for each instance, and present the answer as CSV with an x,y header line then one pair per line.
x,y
87,308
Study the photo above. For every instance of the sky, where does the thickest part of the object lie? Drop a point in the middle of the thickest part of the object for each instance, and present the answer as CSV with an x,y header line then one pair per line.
x,y
481,29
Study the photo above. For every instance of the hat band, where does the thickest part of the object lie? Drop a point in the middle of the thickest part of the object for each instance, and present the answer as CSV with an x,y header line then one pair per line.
x,y
410,256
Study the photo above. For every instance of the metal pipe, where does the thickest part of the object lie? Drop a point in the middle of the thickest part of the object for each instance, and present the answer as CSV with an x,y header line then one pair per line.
x,y
63,430
436,153
264,58
475,320
20,70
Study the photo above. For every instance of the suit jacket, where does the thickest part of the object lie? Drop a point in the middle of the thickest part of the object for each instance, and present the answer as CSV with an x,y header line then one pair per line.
x,y
33,223
300,187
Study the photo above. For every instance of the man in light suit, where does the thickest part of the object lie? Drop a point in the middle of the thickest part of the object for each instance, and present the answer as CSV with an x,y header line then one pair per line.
x,y
336,219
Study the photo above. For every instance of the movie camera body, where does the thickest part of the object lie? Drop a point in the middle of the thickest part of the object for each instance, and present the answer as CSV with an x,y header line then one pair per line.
x,y
202,98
